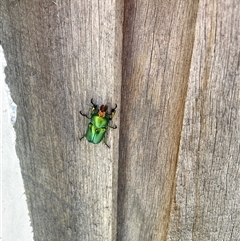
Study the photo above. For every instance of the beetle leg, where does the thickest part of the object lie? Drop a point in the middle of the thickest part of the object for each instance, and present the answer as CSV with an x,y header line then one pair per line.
x,y
81,137
104,141
113,127
84,114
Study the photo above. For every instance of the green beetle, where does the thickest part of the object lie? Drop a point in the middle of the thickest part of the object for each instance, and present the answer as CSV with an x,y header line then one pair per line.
x,y
98,125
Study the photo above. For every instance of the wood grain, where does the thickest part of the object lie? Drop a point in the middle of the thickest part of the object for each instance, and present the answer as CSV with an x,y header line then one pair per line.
x,y
61,54
206,202
157,50
172,172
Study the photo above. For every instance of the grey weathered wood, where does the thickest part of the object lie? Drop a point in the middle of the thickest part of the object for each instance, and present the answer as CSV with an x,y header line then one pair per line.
x,y
206,203
60,54
157,49
202,201
178,176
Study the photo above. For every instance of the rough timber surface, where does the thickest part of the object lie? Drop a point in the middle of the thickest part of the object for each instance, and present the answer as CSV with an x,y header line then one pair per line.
x,y
60,54
172,67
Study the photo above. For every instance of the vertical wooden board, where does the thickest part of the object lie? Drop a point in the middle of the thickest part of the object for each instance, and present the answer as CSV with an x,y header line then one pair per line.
x,y
157,48
60,54
206,202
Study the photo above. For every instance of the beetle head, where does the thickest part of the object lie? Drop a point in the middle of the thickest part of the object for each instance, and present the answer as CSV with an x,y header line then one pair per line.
x,y
102,111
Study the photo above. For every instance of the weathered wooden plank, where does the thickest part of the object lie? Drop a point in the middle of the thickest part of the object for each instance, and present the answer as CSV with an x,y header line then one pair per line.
x,y
206,203
157,50
60,54
179,139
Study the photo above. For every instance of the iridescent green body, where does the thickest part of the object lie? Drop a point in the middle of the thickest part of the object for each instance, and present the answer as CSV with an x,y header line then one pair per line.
x,y
94,134
99,122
